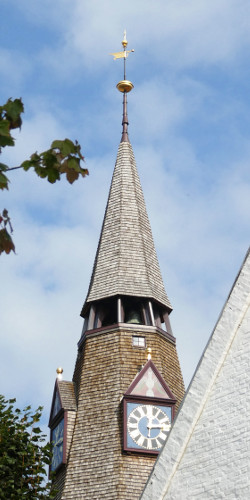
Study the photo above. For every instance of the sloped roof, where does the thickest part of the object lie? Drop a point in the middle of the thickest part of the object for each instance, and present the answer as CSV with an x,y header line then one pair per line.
x,y
67,394
63,398
207,453
126,261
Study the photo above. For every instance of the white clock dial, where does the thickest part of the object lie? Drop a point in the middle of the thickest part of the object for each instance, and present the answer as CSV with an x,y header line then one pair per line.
x,y
148,426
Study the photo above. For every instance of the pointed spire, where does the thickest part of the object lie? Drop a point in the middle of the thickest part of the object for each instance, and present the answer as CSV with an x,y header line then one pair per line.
x,y
126,263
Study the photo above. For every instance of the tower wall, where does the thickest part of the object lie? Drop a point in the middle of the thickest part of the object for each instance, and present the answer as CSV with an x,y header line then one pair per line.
x,y
106,366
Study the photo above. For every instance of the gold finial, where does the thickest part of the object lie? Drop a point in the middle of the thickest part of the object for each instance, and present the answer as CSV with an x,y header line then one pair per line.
x,y
149,351
59,372
124,41
124,86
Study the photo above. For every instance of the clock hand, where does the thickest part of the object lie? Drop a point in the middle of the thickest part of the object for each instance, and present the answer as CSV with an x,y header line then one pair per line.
x,y
151,426
163,427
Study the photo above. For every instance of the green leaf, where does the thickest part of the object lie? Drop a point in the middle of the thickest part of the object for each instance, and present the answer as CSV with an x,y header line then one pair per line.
x,y
13,112
74,163
3,167
56,144
53,175
40,171
3,181
37,430
5,137
49,159
35,157
6,141
27,164
4,128
66,147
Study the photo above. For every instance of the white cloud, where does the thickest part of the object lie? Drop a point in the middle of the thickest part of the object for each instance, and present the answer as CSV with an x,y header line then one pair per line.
x,y
11,76
201,235
183,33
173,33
42,297
147,109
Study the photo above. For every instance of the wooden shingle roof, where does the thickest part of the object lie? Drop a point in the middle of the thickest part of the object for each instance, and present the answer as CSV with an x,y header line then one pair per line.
x,y
67,394
126,262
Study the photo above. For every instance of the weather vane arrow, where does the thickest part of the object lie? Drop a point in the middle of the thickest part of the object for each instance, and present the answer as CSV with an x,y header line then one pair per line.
x,y
119,55
123,54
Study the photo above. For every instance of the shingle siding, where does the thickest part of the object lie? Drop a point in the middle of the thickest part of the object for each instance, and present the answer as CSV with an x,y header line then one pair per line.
x,y
97,467
67,394
126,262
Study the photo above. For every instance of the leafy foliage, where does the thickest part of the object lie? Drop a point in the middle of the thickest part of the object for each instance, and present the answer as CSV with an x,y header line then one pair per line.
x,y
24,454
10,118
63,157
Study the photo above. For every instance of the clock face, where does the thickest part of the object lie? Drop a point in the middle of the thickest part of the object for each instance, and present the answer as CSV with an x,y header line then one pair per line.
x,y
147,426
57,441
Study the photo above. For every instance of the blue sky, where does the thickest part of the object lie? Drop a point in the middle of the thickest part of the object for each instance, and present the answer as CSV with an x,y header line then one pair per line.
x,y
189,128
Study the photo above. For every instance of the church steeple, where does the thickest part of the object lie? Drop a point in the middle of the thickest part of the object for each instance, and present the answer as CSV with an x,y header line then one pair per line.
x,y
110,422
126,263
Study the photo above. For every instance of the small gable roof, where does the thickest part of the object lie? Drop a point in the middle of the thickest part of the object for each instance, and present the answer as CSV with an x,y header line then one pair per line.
x,y
207,453
150,384
67,394
63,398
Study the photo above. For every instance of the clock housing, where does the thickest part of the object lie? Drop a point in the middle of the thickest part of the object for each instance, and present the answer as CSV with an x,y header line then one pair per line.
x,y
148,412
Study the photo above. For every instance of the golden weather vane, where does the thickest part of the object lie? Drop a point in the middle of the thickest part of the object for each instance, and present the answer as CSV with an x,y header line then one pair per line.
x,y
124,53
124,85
